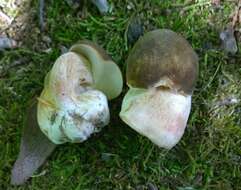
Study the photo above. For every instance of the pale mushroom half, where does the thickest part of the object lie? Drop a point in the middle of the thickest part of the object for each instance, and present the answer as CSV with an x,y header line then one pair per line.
x,y
73,103
162,69
72,106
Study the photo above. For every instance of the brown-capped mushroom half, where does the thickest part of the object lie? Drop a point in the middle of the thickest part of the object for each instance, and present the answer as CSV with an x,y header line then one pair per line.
x,y
162,69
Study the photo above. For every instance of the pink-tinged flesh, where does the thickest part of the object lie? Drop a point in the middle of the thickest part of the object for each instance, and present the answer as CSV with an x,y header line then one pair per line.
x,y
160,115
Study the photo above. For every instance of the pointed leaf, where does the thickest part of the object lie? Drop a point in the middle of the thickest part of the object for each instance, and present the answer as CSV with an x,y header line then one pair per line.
x,y
34,149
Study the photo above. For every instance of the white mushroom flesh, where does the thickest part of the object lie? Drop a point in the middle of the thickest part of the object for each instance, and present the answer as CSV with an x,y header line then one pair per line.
x,y
159,114
69,109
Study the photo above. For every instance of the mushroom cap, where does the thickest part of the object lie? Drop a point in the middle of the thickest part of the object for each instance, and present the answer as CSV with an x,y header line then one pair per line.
x,y
162,58
106,74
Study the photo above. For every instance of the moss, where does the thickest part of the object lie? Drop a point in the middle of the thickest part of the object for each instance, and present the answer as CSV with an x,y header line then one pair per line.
x,y
208,156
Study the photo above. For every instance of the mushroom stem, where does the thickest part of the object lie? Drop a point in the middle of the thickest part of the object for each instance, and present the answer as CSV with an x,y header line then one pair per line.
x,y
69,109
159,114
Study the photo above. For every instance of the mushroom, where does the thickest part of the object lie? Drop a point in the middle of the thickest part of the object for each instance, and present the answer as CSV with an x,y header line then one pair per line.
x,y
72,106
73,103
162,69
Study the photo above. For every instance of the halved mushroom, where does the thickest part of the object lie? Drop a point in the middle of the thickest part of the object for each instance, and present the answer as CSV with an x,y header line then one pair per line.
x,y
162,69
72,105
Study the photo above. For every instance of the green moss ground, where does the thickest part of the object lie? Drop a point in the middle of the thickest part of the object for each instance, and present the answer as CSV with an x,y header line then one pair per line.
x,y
207,157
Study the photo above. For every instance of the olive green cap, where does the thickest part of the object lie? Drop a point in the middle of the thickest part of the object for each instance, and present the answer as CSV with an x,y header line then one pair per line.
x,y
162,58
107,75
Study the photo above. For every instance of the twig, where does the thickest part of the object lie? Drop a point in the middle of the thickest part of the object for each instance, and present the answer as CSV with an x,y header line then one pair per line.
x,y
41,15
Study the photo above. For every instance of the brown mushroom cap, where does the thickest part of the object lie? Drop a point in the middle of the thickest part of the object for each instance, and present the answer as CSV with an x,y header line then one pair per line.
x,y
162,58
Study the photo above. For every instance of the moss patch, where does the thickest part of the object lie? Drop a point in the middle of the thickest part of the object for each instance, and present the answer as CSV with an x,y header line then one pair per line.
x,y
208,156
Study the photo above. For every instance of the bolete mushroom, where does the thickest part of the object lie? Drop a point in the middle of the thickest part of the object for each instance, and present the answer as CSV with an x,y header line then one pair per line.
x,y
73,103
72,106
162,69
